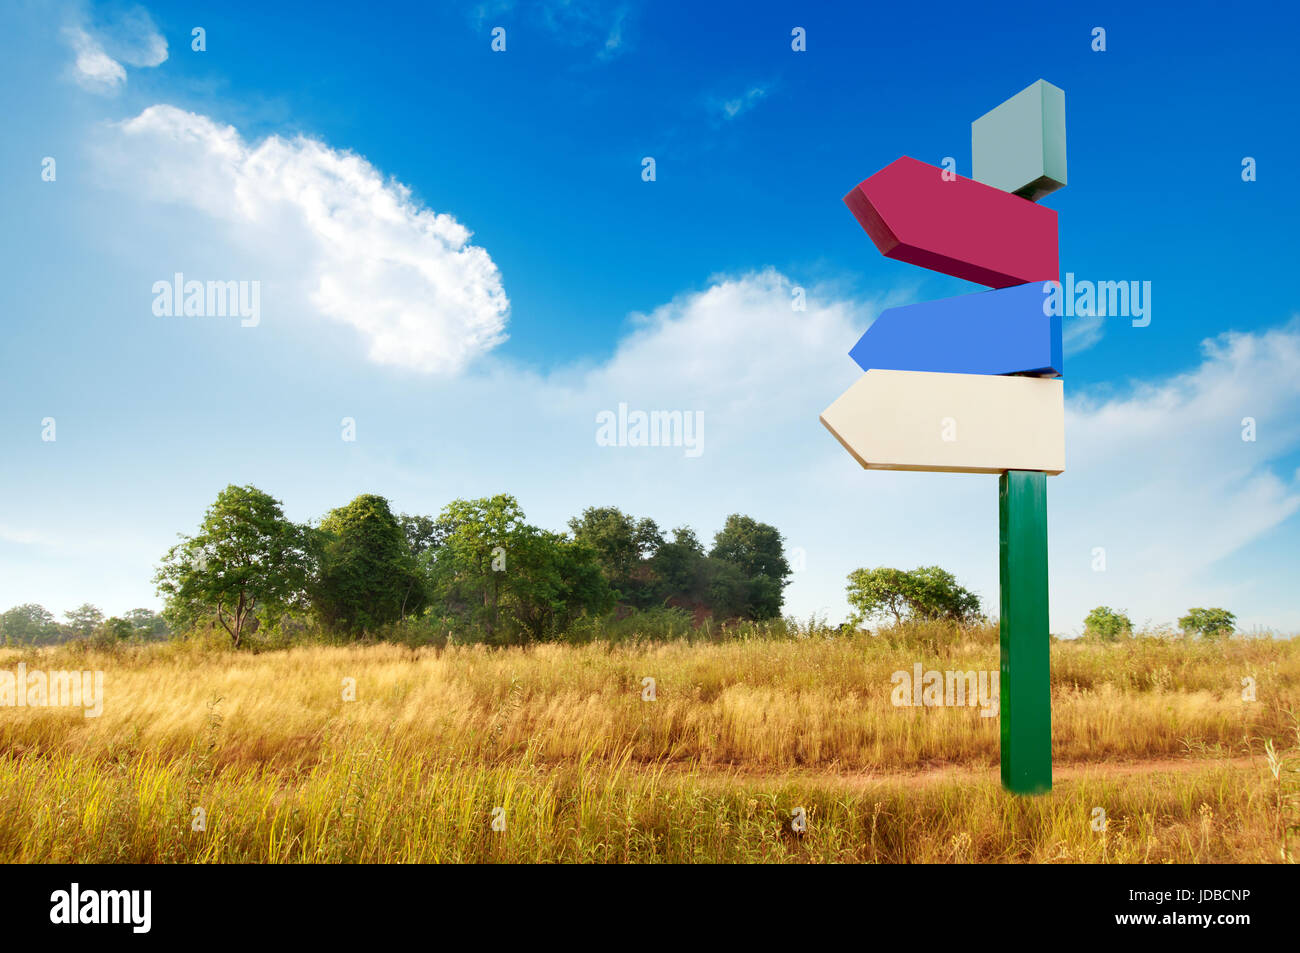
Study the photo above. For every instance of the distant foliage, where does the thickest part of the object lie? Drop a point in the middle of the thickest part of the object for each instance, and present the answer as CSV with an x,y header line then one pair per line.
x,y
29,624
1208,623
927,593
1107,624
115,629
84,620
32,624
478,571
743,576
147,624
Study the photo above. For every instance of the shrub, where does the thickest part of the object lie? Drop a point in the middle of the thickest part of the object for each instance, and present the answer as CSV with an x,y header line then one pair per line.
x,y
1208,623
1107,624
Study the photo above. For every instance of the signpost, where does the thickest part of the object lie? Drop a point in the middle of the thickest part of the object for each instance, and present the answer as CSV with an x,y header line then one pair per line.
x,y
972,384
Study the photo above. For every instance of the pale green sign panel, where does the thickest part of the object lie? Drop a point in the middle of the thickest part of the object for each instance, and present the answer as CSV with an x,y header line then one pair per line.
x,y
1020,146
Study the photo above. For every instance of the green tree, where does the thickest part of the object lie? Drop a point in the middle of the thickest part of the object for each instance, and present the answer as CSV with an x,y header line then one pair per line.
x,y
422,532
726,590
115,629
29,624
551,582
876,592
513,582
84,620
368,576
757,548
759,551
1208,623
684,576
146,623
623,546
927,592
677,567
466,572
936,595
1107,624
246,558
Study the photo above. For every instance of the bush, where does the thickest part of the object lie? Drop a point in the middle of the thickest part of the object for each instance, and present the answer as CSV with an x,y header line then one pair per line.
x,y
1107,624
927,593
1208,623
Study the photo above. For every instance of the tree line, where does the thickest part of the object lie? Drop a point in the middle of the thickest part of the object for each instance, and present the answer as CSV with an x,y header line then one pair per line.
x,y
478,567
33,624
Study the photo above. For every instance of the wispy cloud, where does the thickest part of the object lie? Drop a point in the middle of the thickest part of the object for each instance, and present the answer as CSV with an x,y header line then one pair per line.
x,y
739,105
1080,333
575,23
102,45
614,38
481,13
731,108
585,23
65,544
23,537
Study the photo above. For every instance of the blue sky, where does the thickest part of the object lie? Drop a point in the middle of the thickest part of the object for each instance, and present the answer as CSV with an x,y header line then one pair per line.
x,y
342,158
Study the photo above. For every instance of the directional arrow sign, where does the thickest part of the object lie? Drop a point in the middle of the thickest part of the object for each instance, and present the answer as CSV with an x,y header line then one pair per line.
x,y
916,213
993,332
960,423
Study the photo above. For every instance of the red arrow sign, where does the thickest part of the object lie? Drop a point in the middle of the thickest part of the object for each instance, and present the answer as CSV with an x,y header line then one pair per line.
x,y
957,226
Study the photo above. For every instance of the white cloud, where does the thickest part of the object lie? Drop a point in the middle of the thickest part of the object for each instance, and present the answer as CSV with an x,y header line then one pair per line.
x,y
405,277
101,48
93,68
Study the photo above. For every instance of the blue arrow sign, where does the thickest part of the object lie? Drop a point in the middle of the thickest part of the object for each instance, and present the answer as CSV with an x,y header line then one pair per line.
x,y
993,332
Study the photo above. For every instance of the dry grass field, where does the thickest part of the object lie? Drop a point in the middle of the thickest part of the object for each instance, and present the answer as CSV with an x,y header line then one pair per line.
x,y
556,745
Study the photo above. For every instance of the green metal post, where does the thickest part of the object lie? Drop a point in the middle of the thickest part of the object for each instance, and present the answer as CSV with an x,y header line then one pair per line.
x,y
1025,698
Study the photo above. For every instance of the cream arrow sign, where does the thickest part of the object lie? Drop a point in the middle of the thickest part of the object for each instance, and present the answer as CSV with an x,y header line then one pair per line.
x,y
959,423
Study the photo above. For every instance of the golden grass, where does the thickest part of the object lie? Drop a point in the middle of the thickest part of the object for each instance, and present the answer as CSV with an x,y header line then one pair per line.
x,y
741,733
